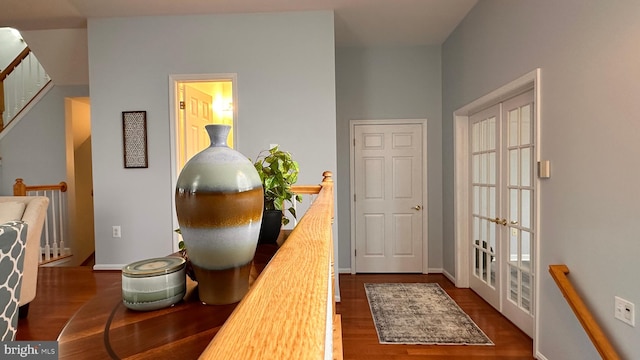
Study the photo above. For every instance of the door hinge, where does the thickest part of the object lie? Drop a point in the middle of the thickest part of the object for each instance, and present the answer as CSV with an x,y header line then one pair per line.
x,y
354,197
182,106
355,252
354,141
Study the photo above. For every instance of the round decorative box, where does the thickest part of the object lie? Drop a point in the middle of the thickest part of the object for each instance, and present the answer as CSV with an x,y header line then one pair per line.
x,y
153,284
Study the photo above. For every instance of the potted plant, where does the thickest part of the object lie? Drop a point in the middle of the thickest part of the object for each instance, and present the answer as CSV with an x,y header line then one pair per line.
x,y
278,171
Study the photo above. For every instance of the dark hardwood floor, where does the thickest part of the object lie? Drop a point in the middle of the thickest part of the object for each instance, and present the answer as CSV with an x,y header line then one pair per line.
x,y
63,290
360,340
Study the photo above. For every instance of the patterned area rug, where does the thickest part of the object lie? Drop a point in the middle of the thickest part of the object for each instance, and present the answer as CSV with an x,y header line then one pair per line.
x,y
420,313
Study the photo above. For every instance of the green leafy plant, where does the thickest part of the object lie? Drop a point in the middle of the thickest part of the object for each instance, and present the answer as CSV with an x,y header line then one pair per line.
x,y
278,171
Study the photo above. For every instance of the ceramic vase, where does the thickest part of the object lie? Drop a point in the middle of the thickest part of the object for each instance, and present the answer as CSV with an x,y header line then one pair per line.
x,y
219,204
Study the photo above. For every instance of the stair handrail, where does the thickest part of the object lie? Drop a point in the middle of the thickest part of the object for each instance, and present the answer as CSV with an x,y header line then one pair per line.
x,y
21,189
23,55
590,325
4,73
284,315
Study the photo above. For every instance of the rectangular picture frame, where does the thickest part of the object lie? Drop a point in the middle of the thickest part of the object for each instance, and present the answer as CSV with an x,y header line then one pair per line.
x,y
134,136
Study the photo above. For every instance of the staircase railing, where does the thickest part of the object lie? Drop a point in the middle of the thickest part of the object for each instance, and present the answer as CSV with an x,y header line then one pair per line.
x,y
591,327
289,311
52,244
20,82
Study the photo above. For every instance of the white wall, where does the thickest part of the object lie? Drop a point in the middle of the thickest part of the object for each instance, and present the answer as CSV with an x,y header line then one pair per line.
x,y
11,47
62,52
34,149
390,83
589,55
286,92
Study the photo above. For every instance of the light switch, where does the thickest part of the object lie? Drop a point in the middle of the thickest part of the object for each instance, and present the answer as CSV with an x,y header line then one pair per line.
x,y
544,169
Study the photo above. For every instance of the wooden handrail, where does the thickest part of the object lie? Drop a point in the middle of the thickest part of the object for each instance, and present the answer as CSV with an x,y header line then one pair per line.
x,y
591,327
21,189
306,189
284,314
23,55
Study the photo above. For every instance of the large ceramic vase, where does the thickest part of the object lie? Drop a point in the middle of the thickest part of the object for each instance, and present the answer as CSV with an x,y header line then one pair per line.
x,y
219,203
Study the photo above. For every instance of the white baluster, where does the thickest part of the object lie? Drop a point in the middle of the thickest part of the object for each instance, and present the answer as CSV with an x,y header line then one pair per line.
x,y
54,222
63,250
29,66
47,248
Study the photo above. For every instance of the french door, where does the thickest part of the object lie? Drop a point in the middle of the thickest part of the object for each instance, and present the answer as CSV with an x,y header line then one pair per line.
x,y
502,153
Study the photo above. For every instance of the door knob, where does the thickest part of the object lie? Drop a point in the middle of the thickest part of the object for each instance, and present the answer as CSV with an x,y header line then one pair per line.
x,y
499,221
417,207
513,222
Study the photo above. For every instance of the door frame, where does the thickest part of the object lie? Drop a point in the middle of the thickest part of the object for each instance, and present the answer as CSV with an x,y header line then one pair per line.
x,y
425,212
174,80
461,220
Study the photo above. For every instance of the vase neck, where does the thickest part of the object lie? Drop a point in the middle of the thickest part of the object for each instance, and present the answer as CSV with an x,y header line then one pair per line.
x,y
218,134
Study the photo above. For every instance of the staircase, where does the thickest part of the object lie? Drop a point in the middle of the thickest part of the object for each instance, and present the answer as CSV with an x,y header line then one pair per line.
x,y
21,82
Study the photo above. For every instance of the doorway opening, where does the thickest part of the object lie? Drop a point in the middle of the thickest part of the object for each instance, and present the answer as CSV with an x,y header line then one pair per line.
x,y
388,172
80,226
496,144
196,101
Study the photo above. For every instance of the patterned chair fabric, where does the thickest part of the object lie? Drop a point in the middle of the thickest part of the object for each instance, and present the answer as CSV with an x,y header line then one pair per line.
x,y
13,237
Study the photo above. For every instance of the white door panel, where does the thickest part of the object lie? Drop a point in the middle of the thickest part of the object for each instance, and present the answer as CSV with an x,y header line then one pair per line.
x,y
388,197
520,206
485,182
502,153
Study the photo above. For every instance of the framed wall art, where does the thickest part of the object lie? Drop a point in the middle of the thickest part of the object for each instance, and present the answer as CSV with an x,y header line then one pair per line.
x,y
134,131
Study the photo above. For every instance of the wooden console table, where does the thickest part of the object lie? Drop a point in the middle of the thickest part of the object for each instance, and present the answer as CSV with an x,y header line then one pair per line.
x,y
105,329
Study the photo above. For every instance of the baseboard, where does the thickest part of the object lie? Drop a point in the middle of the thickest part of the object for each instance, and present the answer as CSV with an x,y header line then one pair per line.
x,y
108,266
434,270
344,270
539,356
449,276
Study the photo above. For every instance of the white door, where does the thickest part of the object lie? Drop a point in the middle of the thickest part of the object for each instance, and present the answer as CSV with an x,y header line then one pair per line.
x,y
485,199
502,153
388,195
197,115
519,210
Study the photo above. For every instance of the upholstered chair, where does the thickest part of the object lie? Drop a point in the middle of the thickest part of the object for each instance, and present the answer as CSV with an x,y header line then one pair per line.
x,y
32,210
13,236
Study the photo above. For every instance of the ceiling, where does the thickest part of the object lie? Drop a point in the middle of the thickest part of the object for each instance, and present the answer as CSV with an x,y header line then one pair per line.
x,y
357,22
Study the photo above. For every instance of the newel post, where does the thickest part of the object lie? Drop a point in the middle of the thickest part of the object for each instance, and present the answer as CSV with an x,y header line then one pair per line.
x,y
19,188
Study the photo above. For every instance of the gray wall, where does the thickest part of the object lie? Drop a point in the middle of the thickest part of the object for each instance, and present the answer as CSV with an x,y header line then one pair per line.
x,y
34,149
589,55
11,47
390,83
286,91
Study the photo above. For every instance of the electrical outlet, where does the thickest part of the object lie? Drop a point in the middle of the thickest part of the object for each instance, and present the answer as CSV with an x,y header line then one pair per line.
x,y
115,231
624,311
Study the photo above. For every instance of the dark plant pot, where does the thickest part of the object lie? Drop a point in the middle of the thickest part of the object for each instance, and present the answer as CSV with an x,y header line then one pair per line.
x,y
270,228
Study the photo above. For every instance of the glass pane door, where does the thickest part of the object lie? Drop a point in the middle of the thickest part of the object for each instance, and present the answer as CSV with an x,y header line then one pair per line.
x,y
519,202
484,146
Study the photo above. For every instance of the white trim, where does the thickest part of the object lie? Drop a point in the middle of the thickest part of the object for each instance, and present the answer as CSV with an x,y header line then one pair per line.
x,y
173,100
435,270
539,356
108,266
27,108
425,206
537,96
344,270
528,81
449,276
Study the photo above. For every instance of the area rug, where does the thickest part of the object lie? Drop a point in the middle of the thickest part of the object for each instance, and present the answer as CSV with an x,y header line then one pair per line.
x,y
420,313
